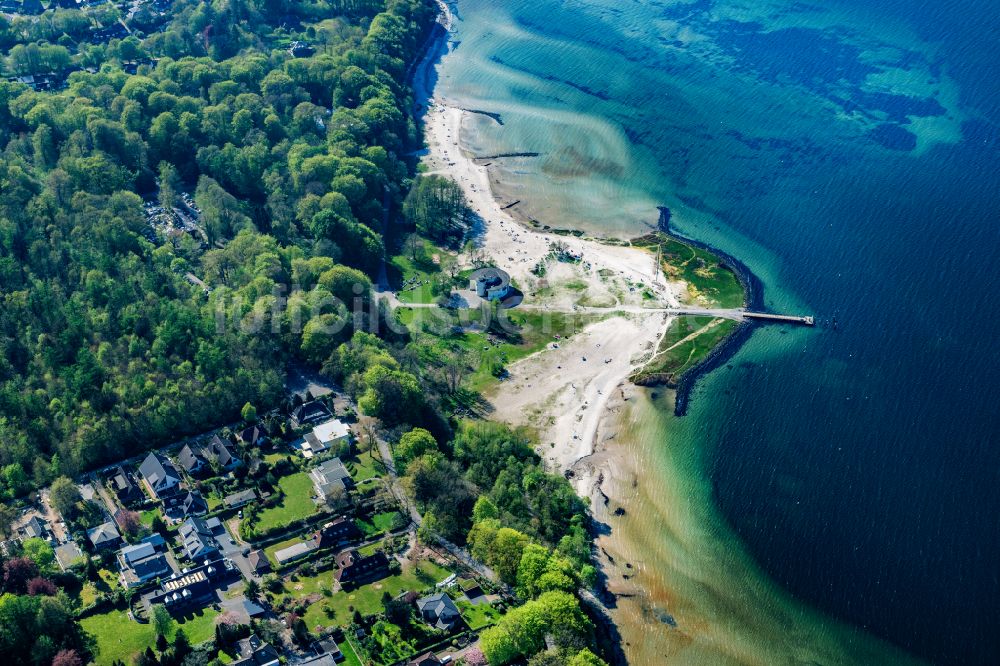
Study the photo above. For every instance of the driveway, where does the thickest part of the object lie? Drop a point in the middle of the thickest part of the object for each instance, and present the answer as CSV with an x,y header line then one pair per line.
x,y
234,551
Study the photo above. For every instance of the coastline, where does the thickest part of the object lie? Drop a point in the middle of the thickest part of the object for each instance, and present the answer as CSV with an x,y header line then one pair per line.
x,y
686,591
753,299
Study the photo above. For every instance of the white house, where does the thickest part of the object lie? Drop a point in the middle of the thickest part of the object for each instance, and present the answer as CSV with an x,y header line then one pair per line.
x,y
324,437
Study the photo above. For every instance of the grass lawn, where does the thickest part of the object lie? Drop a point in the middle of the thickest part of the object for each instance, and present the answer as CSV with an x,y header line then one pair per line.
x,y
364,466
350,656
367,599
295,505
675,357
411,272
478,616
109,578
380,522
699,268
118,637
537,329
88,594
146,517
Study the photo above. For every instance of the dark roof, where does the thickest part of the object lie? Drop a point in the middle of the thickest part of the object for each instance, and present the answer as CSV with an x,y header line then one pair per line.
x,y
253,609
354,567
155,468
251,435
310,412
153,565
337,531
258,561
36,527
103,533
218,451
189,459
439,610
426,659
240,498
255,652
194,503
197,538
122,485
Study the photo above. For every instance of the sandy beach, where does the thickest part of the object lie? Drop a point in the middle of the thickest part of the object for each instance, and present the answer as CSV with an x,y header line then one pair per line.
x,y
562,391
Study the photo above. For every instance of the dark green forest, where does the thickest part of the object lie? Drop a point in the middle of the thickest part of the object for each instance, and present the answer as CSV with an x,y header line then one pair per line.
x,y
188,210
108,347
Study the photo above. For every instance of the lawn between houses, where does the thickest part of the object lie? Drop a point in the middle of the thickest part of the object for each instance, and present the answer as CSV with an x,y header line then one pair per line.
x,y
296,504
118,637
337,608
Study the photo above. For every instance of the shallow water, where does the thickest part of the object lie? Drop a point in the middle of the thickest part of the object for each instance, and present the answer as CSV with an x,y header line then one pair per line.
x,y
846,152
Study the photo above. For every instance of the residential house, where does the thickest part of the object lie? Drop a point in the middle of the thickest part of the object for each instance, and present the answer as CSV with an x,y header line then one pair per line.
x,y
160,476
68,554
336,533
252,436
193,588
259,562
355,569
198,539
219,452
104,536
294,552
309,413
122,485
439,611
194,504
426,659
324,437
192,461
36,528
239,499
327,653
255,652
330,476
142,562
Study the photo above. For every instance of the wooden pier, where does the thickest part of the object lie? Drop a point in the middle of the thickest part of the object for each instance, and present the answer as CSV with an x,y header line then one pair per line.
x,y
787,319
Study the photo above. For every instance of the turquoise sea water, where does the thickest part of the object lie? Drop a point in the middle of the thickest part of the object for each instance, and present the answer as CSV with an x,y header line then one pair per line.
x,y
847,153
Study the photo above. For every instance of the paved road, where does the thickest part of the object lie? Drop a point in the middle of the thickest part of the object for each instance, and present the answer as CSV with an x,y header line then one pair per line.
x,y
736,314
234,551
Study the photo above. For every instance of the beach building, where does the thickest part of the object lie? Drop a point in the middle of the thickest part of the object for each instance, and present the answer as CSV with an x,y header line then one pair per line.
x,y
490,283
325,436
